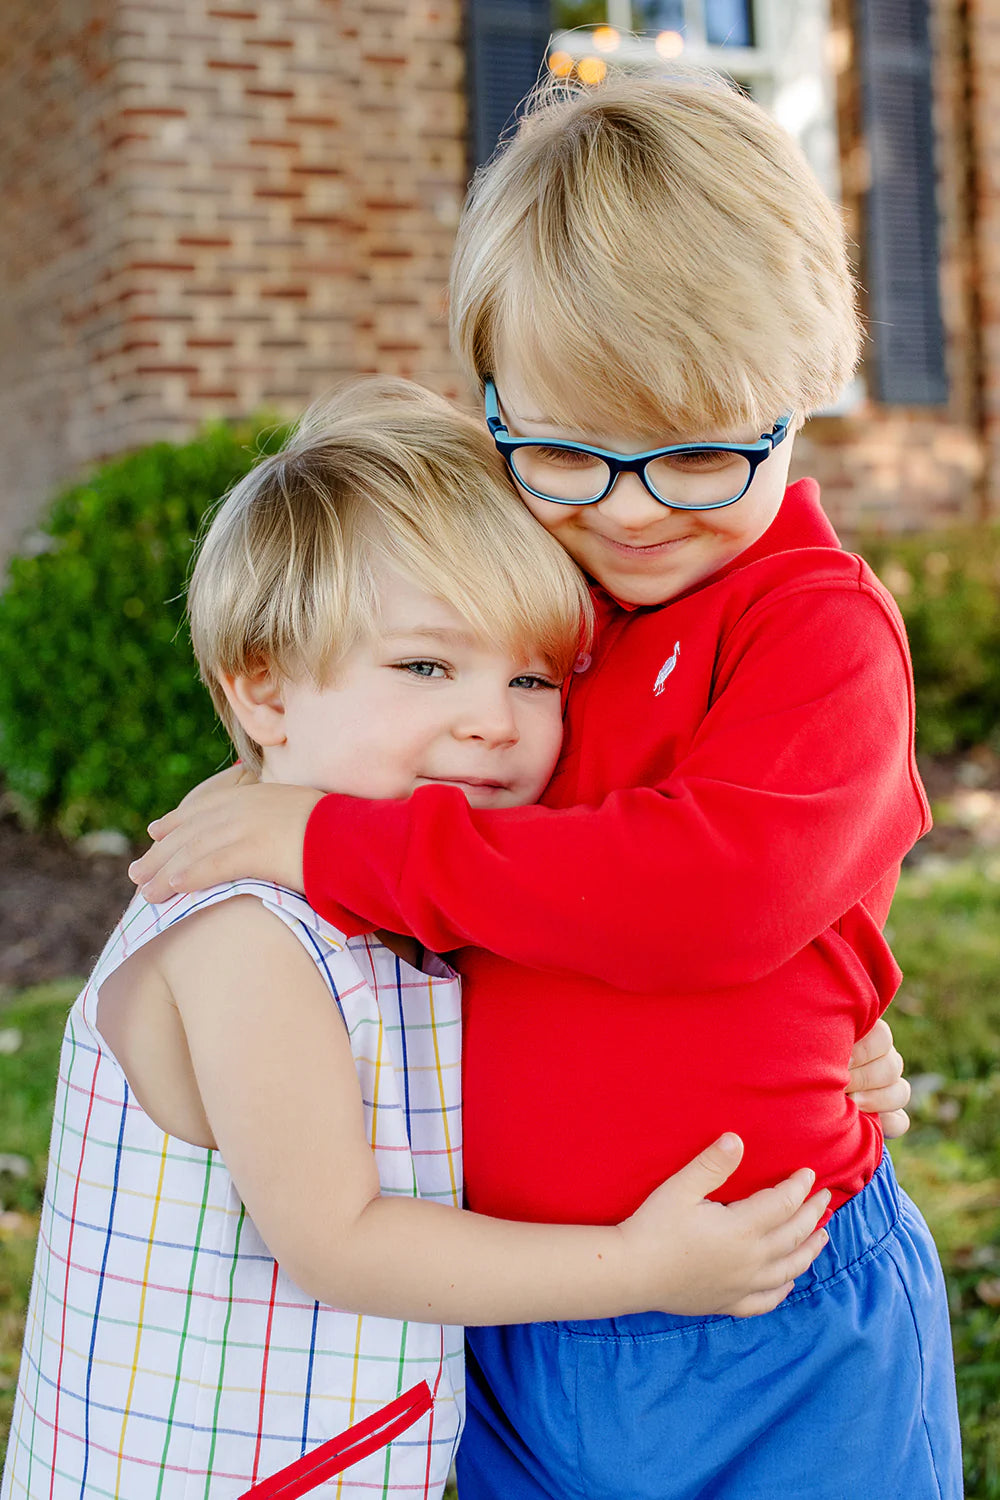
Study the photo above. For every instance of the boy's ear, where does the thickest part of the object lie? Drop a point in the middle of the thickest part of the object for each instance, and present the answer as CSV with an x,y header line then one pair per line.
x,y
258,703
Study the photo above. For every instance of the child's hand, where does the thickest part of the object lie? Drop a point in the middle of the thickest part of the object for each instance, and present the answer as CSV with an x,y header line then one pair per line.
x,y
876,1082
738,1258
229,828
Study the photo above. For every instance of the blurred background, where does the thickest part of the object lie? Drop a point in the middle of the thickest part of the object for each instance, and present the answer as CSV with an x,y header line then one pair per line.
x,y
213,212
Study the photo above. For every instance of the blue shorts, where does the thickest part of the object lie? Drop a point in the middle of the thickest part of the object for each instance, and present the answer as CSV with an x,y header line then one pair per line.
x,y
845,1392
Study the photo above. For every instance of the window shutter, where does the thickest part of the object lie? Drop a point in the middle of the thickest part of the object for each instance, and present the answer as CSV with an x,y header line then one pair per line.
x,y
901,212
507,40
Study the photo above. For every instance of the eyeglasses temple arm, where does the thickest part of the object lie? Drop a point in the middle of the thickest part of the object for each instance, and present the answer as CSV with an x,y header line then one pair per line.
x,y
493,419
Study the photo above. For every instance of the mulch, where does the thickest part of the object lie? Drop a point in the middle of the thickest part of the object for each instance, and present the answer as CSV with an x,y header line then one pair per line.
x,y
58,903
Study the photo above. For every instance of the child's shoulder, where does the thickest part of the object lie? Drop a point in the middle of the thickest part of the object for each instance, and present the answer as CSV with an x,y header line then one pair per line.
x,y
226,912
196,941
806,580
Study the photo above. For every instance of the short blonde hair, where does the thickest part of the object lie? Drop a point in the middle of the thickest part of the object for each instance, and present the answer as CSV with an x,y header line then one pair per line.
x,y
656,247
381,472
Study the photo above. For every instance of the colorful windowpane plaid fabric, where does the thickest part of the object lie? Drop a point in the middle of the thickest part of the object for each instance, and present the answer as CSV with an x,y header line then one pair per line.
x,y
166,1354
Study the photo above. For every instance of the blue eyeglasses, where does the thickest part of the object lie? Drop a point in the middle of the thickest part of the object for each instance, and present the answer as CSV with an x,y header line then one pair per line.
x,y
685,476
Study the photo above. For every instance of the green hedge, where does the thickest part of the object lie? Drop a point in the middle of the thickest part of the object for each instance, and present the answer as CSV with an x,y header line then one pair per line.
x,y
103,722
948,587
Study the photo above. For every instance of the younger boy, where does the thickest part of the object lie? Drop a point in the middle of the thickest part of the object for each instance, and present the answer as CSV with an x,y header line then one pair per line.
x,y
252,1236
653,292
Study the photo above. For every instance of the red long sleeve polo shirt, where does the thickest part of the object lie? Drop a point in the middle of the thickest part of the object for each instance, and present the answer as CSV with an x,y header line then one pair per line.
x,y
686,936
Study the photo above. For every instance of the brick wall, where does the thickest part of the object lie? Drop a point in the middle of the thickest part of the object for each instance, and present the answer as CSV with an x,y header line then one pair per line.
x,y
62,225
218,209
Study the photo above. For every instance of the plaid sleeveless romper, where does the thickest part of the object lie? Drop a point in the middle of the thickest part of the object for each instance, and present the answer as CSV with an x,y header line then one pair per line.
x,y
166,1353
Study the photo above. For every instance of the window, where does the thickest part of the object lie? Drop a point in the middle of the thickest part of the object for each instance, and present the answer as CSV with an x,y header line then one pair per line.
x,y
775,49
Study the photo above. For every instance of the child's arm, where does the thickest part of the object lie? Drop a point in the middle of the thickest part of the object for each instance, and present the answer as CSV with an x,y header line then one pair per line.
x,y
277,1080
796,797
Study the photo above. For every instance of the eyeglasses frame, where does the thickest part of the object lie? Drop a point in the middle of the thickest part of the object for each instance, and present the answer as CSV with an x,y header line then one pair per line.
x,y
635,463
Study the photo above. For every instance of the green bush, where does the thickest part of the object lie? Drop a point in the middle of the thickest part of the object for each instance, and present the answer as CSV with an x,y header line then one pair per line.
x,y
948,588
103,721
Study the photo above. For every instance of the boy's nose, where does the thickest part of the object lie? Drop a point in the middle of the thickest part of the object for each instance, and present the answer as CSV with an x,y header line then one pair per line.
x,y
630,505
490,719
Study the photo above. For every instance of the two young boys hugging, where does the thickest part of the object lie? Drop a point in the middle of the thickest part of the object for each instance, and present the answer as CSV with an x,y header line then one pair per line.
x,y
681,939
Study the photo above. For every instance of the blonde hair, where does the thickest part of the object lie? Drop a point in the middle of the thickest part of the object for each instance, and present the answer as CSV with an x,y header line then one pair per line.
x,y
656,247
381,472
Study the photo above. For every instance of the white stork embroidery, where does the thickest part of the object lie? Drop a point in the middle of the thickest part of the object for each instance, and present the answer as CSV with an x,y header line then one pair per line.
x,y
666,669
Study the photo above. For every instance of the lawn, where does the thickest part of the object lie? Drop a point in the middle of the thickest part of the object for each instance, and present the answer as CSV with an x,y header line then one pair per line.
x,y
945,928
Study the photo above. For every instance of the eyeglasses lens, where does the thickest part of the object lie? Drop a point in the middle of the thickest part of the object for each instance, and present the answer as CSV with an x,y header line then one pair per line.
x,y
690,478
563,473
699,476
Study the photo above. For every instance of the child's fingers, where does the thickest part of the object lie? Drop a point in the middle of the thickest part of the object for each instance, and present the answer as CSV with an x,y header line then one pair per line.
x,y
779,1278
880,1075
894,1124
756,1303
798,1260
771,1207
181,861
710,1168
800,1226
160,827
882,1100
875,1043
201,797
155,860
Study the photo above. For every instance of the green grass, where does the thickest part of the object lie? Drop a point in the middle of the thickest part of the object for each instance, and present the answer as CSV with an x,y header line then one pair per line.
x,y
27,1086
945,929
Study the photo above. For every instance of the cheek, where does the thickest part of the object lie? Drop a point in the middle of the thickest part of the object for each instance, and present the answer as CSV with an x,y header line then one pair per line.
x,y
548,742
552,517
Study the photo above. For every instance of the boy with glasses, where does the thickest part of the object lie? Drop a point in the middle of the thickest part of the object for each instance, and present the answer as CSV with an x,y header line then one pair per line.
x,y
653,293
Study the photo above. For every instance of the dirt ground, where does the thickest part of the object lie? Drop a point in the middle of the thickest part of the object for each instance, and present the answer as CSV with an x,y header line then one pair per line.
x,y
58,903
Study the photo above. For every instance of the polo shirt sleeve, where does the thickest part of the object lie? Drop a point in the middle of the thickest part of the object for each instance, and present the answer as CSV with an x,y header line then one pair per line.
x,y
796,798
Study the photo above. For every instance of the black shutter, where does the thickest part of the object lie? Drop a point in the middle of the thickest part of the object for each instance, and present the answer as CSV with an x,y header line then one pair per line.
x,y
901,212
507,40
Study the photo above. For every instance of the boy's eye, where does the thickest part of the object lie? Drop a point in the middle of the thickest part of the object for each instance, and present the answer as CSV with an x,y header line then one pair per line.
x,y
564,458
422,668
534,680
699,459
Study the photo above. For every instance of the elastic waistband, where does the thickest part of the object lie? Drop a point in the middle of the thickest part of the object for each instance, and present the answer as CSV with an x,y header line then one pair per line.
x,y
856,1230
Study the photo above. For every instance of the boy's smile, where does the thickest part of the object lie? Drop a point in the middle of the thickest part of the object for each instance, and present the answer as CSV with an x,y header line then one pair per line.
x,y
423,700
642,552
